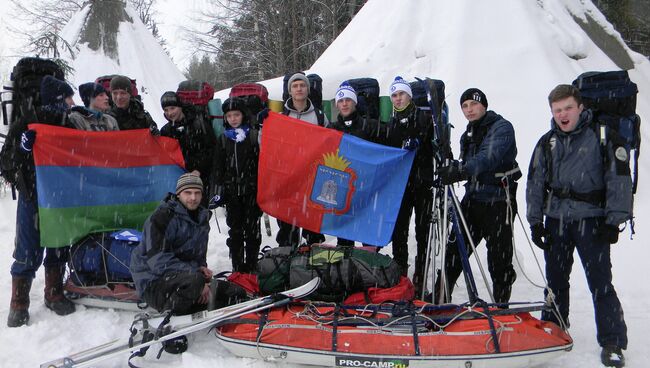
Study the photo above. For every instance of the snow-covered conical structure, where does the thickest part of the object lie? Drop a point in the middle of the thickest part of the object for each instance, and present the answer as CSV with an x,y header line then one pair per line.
x,y
109,38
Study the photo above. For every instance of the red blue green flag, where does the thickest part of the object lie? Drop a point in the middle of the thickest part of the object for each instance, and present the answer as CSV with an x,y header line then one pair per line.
x,y
329,182
100,181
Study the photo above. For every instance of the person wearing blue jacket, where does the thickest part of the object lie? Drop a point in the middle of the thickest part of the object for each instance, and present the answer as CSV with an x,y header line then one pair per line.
x,y
169,266
578,191
487,162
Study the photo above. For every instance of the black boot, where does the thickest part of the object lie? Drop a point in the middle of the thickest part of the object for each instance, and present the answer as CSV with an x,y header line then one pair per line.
x,y
612,356
237,258
19,305
54,298
501,293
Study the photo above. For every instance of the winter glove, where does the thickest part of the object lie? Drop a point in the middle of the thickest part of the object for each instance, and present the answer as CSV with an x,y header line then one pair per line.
x,y
453,173
540,236
27,140
261,116
216,202
411,144
607,233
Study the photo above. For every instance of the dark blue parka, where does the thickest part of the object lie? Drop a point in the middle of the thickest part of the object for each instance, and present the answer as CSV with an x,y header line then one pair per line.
x,y
172,241
573,163
488,148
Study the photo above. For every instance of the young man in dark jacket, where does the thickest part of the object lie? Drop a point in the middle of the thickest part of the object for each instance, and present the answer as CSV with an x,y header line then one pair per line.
x,y
193,133
412,128
169,266
128,110
56,100
299,106
584,191
488,151
235,185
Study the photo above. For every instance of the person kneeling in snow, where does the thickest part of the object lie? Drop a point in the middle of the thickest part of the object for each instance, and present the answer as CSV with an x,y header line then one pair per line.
x,y
169,266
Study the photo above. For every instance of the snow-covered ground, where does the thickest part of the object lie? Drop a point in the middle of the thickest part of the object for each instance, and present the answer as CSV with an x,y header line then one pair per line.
x,y
515,51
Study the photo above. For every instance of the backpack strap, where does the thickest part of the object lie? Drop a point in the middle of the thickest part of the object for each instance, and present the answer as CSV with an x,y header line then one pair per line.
x,y
320,116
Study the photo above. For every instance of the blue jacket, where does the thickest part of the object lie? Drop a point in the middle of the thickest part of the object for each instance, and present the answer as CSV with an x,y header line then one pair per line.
x,y
171,242
573,163
488,147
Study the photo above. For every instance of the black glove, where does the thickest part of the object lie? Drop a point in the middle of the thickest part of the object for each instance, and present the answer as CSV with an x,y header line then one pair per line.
x,y
453,173
607,233
216,202
27,140
540,236
261,116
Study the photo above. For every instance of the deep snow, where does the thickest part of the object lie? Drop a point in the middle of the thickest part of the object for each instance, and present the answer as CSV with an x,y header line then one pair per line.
x,y
515,51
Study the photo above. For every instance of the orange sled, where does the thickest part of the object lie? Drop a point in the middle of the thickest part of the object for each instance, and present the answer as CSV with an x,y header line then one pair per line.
x,y
391,336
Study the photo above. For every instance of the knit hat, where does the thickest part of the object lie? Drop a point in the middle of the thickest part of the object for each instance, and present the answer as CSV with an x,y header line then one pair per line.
x,y
54,92
399,84
90,90
121,82
169,98
188,181
234,103
295,77
346,91
476,95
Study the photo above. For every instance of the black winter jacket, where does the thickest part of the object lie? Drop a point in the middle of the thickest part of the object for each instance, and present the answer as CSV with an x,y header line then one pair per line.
x,y
133,117
235,166
414,123
368,129
197,140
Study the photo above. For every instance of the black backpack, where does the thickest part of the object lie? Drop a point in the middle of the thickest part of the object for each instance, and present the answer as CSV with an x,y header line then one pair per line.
x,y
611,96
315,93
25,104
367,90
429,95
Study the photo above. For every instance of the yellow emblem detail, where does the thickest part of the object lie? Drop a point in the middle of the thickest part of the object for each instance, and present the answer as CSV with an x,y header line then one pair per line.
x,y
335,161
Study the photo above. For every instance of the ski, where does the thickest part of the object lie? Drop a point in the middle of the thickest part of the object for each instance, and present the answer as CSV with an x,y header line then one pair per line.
x,y
267,225
178,325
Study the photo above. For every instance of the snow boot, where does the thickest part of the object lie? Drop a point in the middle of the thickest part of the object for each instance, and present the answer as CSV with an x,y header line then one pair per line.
x,y
612,356
54,298
19,305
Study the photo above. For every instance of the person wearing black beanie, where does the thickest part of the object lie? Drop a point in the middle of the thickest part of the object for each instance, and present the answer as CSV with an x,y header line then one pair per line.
x,y
487,162
190,126
92,115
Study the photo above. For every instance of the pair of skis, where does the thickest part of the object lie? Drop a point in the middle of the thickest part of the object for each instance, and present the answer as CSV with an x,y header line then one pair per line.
x,y
177,326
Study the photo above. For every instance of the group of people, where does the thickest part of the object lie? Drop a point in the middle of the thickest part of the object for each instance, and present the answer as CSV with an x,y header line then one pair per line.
x,y
575,198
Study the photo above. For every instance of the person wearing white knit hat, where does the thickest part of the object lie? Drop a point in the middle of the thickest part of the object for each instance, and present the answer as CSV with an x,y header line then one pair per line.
x,y
412,128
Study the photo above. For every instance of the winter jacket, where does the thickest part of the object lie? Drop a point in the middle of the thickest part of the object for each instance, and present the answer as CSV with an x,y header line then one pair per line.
x,y
133,117
414,123
488,147
567,172
197,140
309,115
368,129
85,119
172,241
235,165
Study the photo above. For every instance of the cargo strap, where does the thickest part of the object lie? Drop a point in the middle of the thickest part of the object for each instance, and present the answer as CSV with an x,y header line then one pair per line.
x,y
595,197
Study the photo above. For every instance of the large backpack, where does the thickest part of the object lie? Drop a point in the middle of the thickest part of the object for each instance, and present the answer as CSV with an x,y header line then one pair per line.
x,y
343,270
315,93
612,98
195,96
103,258
23,96
429,94
254,95
367,90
